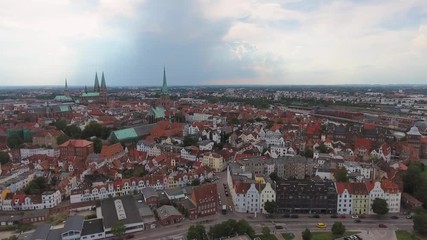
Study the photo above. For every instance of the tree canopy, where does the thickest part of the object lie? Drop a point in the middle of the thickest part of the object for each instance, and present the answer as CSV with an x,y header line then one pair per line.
x,y
306,235
420,221
189,140
36,186
14,141
270,207
118,229
97,130
230,228
73,131
61,125
380,206
273,176
4,157
338,228
341,175
97,145
197,232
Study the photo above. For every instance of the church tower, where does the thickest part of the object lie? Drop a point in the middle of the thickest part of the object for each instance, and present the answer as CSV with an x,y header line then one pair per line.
x,y
96,85
66,93
103,89
164,93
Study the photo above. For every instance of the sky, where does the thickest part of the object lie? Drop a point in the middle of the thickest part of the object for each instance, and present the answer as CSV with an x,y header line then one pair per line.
x,y
211,42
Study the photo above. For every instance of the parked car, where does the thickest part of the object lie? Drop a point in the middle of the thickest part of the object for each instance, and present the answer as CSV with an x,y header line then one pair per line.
x,y
316,216
362,216
321,225
130,236
382,225
354,216
278,227
409,217
294,216
334,216
286,216
357,220
342,216
394,217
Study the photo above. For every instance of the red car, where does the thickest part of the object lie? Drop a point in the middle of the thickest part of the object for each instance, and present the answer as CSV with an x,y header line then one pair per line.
x,y
382,225
342,216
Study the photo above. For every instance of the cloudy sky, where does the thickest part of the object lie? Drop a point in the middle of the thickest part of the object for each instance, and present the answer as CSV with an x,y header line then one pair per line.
x,y
205,42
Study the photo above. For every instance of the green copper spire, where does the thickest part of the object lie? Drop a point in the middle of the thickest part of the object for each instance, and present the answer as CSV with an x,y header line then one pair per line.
x,y
85,89
103,85
165,85
96,86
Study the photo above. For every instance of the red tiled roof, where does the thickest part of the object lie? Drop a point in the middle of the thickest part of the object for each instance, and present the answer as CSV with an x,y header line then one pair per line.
x,y
111,150
205,193
76,143
242,187
389,186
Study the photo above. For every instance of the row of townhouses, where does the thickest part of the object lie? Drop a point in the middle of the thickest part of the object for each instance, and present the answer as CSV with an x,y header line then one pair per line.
x,y
249,194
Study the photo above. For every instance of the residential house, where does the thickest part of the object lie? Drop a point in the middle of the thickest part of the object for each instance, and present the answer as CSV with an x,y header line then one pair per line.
x,y
76,148
344,203
205,198
306,196
214,161
267,194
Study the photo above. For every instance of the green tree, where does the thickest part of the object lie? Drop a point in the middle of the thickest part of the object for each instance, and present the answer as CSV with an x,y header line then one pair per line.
x,y
270,207
420,221
62,138
265,231
234,121
197,232
14,141
421,190
338,228
243,227
36,186
380,206
189,140
61,125
341,175
92,129
308,153
73,131
118,229
97,145
273,176
323,148
195,182
412,178
4,157
306,235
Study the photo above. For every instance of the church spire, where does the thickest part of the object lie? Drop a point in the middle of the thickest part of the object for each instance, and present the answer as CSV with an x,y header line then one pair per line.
x,y
66,85
96,86
103,85
165,85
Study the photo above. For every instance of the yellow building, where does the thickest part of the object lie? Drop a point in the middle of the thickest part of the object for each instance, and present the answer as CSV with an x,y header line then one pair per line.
x,y
214,161
360,198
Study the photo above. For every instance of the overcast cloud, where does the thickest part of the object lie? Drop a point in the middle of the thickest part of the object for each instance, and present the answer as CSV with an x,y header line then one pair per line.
x,y
42,42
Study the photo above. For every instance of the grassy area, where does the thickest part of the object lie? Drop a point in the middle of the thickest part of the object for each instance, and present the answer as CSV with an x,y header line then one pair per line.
x,y
266,237
328,235
288,236
406,235
57,218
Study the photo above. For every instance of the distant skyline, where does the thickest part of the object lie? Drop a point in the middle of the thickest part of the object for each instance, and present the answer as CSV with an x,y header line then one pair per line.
x,y
209,42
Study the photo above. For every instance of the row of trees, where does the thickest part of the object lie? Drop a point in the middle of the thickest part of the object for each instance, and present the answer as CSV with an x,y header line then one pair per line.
x,y
338,229
415,182
225,229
